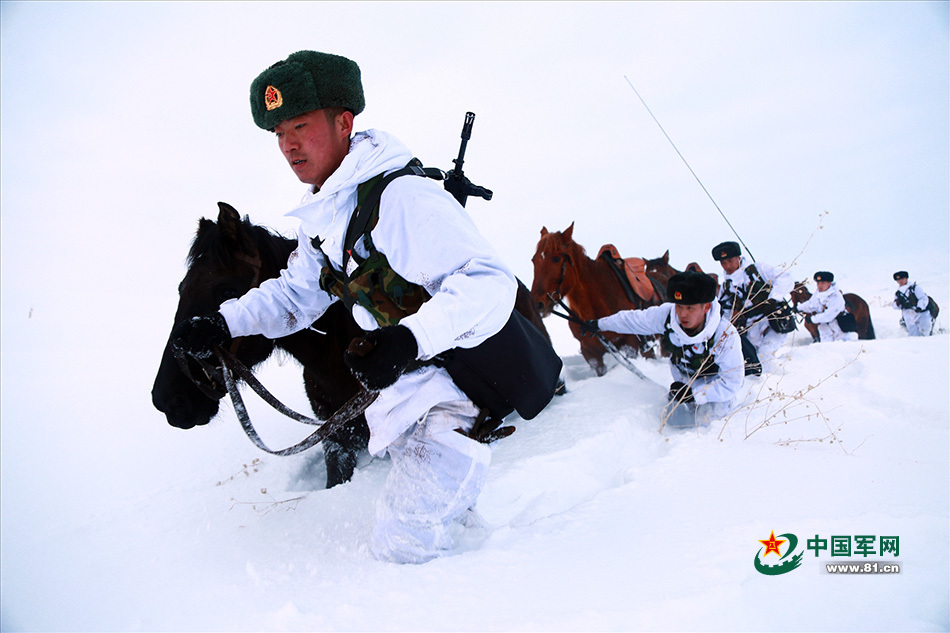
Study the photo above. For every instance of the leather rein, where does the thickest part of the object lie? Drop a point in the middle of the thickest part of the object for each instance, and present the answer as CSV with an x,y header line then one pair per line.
x,y
221,380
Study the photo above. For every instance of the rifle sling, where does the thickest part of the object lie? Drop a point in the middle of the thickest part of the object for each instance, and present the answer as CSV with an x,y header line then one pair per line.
x,y
359,223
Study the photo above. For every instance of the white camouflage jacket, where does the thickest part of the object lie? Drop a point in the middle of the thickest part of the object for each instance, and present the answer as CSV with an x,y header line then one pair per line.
x,y
722,335
428,239
782,284
922,299
824,306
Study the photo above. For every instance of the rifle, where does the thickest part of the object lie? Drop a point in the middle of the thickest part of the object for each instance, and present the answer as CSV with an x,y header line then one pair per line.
x,y
456,183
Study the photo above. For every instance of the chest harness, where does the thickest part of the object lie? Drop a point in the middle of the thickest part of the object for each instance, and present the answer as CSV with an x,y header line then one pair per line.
x,y
907,301
692,360
371,281
734,296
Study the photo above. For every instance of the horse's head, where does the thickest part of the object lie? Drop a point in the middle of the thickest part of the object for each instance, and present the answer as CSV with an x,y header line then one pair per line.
x,y
800,293
660,269
226,259
554,273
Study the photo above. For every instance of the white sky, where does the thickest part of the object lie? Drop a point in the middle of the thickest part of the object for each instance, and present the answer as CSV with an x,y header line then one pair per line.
x,y
123,123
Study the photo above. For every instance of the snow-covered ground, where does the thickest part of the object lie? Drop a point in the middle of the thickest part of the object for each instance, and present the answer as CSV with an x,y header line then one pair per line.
x,y
592,519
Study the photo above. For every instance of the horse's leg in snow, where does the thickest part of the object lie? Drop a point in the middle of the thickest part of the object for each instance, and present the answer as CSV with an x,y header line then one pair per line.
x,y
341,449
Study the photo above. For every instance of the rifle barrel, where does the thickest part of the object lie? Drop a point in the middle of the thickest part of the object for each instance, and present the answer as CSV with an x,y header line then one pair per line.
x,y
466,135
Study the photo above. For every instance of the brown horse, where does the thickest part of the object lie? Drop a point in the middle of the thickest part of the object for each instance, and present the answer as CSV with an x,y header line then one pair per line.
x,y
563,271
855,305
659,268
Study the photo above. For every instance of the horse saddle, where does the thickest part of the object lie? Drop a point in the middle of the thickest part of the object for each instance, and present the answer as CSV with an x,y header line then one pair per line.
x,y
631,272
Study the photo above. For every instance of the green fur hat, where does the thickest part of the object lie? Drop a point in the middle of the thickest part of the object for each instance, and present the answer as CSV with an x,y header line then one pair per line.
x,y
900,274
690,288
305,81
824,275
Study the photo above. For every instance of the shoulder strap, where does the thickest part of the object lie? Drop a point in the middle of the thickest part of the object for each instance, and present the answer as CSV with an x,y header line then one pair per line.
x,y
367,205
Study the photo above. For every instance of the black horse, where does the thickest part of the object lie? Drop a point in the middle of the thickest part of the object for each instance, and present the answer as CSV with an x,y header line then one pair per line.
x,y
227,259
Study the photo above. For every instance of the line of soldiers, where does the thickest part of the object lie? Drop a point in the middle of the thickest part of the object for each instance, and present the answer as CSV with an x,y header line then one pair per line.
x,y
716,337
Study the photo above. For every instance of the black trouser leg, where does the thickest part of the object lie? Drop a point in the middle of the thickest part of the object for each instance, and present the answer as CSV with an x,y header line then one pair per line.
x,y
752,365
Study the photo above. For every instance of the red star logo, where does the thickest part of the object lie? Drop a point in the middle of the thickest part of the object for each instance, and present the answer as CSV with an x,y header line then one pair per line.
x,y
272,98
771,545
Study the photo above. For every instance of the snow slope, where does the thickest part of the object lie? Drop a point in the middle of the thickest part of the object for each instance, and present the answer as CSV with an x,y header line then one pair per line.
x,y
592,519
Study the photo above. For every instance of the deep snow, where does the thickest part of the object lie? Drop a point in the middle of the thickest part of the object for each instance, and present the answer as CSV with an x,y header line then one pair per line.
x,y
592,518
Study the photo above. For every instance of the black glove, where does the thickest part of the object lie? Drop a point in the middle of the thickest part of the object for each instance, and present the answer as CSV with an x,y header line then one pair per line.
x,y
768,306
589,328
198,335
681,392
488,429
381,356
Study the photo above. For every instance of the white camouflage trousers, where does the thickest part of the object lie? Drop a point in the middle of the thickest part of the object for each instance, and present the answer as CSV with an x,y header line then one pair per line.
x,y
831,331
437,475
766,341
918,323
691,415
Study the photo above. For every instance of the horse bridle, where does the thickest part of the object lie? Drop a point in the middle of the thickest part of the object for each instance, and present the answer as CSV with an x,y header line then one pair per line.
x,y
254,261
214,386
222,382
556,293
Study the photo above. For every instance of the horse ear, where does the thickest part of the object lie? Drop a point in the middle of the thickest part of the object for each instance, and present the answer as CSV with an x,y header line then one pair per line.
x,y
544,231
227,212
666,257
569,231
229,222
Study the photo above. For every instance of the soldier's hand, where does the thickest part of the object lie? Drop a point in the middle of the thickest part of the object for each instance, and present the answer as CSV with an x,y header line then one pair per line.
x,y
681,392
380,357
589,328
197,336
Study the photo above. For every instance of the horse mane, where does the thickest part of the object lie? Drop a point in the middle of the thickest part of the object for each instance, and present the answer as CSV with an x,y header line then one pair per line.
x,y
252,239
568,244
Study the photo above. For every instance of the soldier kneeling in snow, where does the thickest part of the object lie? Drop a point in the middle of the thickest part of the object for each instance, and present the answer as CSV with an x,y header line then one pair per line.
x,y
915,306
825,307
419,279
752,296
705,350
